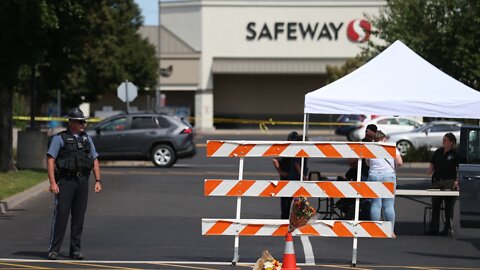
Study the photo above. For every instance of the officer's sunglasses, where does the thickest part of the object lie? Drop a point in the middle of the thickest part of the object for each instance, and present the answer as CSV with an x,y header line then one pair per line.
x,y
82,122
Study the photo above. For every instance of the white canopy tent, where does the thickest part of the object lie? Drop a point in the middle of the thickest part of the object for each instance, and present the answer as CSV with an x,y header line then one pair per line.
x,y
396,82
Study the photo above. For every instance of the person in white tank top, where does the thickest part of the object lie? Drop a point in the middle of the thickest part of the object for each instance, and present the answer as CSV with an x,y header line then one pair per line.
x,y
383,170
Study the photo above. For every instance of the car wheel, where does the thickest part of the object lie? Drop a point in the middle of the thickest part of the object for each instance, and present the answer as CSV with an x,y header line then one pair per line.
x,y
403,146
163,156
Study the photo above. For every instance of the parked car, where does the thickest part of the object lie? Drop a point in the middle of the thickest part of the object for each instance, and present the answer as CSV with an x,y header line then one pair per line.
x,y
469,176
429,135
388,125
351,123
160,138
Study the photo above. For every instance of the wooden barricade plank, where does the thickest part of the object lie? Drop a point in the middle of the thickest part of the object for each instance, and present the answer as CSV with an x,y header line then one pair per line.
x,y
300,149
279,227
320,189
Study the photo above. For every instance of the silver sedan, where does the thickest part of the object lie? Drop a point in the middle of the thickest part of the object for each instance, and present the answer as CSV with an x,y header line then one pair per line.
x,y
429,135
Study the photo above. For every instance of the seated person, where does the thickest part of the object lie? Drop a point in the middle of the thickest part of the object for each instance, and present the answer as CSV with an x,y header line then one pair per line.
x,y
347,205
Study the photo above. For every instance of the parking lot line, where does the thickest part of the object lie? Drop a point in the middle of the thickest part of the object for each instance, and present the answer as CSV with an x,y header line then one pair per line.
x,y
184,266
99,265
21,265
342,266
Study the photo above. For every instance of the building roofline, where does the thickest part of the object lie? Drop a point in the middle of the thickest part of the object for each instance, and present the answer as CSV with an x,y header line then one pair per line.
x,y
179,40
272,3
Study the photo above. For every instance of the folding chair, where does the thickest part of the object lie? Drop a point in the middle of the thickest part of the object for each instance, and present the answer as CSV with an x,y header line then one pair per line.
x,y
330,211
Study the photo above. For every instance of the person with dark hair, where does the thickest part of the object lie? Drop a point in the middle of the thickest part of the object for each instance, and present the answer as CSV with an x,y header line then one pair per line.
x,y
370,132
383,170
369,137
443,168
71,157
282,165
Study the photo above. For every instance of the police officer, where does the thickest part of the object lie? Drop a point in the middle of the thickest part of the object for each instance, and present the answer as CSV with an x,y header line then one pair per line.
x,y
70,158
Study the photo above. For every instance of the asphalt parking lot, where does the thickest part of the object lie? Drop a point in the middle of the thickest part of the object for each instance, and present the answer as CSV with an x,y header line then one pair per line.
x,y
150,218
187,265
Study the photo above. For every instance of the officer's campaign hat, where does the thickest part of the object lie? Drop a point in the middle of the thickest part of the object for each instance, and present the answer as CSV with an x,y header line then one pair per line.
x,y
76,114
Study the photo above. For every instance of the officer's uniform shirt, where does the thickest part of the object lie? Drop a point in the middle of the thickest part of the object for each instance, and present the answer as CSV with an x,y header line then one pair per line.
x,y
57,143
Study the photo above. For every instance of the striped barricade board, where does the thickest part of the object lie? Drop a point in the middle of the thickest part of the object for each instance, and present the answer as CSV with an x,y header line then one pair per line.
x,y
300,149
321,189
279,227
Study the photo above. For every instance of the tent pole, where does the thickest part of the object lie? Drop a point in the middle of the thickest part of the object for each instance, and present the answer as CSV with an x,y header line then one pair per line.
x,y
305,131
305,125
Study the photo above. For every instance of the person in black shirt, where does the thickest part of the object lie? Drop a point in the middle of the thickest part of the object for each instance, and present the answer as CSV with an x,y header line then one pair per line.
x,y
347,205
282,165
443,167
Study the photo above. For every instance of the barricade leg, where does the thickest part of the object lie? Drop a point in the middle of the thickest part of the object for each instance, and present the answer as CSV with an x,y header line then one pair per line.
x,y
354,252
236,255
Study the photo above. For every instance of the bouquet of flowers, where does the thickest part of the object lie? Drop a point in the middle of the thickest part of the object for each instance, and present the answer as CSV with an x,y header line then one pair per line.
x,y
267,262
300,213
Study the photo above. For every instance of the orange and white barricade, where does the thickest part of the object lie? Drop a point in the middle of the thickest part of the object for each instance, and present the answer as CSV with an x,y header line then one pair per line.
x,y
322,189
279,227
282,188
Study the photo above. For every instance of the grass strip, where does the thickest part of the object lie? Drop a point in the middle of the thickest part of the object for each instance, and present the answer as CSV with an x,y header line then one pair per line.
x,y
12,183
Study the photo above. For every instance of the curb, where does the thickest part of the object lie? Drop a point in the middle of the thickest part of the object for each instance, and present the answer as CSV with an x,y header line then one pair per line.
x,y
416,165
19,198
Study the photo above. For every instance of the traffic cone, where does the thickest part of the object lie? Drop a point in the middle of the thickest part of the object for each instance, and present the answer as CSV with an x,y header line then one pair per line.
x,y
289,260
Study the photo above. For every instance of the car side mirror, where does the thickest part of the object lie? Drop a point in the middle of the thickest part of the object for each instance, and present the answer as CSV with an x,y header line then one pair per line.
x,y
98,131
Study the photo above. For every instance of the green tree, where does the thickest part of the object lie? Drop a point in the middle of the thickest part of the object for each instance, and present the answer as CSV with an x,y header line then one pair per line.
x,y
84,48
444,32
336,72
24,25
104,49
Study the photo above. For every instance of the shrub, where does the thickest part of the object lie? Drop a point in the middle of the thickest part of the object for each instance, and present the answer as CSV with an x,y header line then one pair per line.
x,y
420,154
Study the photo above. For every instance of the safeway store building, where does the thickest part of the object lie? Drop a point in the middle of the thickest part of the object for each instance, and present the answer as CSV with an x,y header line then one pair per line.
x,y
254,59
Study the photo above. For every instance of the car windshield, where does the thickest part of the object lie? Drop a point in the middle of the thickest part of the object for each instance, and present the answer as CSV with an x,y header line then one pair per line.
x,y
93,126
421,128
349,118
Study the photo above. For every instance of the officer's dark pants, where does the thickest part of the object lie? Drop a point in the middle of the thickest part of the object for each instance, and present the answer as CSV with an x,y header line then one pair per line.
x,y
436,205
72,199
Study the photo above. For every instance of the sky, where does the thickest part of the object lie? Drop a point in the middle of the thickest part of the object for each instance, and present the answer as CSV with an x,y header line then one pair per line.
x,y
149,11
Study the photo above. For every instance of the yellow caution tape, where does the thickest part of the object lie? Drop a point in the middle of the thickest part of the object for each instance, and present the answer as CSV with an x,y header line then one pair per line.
x,y
262,124
271,122
48,118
